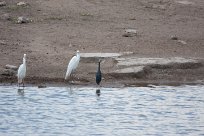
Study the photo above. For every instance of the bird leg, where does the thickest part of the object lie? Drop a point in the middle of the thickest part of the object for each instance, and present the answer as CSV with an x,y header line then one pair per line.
x,y
71,76
23,83
74,76
19,85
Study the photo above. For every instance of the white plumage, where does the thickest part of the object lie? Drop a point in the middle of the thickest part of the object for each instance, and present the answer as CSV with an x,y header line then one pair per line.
x,y
72,65
22,71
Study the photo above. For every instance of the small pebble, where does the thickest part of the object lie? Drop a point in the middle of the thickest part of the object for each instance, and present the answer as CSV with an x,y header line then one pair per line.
x,y
2,42
6,16
174,38
130,33
22,20
182,42
21,3
2,3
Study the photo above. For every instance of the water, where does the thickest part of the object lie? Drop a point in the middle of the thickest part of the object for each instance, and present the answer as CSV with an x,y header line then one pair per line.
x,y
142,111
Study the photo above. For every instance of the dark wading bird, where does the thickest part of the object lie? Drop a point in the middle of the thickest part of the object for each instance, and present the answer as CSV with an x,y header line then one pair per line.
x,y
98,74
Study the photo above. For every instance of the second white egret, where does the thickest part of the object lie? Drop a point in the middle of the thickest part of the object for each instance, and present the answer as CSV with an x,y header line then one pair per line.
x,y
22,71
73,63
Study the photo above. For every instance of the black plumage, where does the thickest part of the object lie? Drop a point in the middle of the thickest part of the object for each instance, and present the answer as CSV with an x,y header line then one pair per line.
x,y
98,74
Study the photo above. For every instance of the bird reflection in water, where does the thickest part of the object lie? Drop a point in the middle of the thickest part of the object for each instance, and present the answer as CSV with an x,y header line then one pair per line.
x,y
98,92
70,90
21,92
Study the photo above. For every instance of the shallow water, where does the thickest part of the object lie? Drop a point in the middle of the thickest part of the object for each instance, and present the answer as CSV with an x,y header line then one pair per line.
x,y
155,111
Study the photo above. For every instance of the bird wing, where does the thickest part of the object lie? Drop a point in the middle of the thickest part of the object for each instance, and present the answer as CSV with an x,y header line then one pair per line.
x,y
71,66
21,73
20,70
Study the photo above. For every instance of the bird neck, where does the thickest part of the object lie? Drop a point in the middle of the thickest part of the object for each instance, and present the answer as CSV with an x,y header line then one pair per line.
x,y
24,61
99,66
78,55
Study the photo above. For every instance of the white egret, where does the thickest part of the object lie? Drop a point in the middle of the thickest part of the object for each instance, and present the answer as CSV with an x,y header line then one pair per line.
x,y
22,71
72,65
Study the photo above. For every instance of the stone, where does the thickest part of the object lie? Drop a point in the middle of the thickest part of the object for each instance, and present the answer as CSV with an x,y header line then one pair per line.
x,y
130,33
8,66
2,3
174,37
174,62
182,42
185,2
8,72
21,3
6,16
22,20
156,6
136,71
2,42
94,57
102,55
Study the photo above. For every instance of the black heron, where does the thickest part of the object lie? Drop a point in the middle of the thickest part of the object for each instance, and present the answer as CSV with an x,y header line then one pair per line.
x,y
98,73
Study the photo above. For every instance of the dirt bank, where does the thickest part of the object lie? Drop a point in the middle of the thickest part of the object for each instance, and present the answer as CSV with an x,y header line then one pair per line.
x,y
99,26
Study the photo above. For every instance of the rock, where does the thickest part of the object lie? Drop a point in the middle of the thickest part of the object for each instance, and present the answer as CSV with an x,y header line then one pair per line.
x,y
130,33
182,42
21,20
8,72
8,66
93,57
21,3
174,37
103,55
2,3
174,62
137,71
185,2
156,6
2,42
6,16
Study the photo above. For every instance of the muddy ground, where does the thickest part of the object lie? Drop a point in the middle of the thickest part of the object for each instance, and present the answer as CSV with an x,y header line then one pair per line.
x,y
57,28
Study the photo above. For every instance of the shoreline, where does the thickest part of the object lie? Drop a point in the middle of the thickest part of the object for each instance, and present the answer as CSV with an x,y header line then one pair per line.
x,y
150,42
